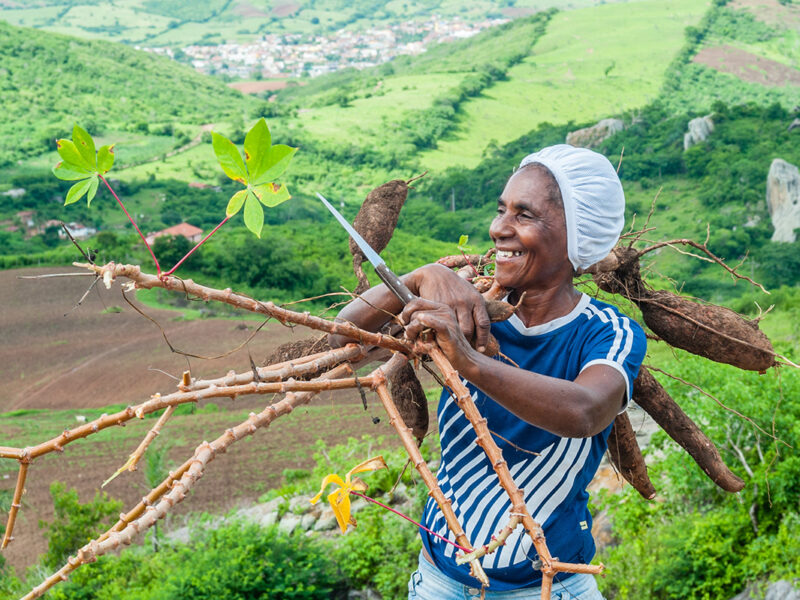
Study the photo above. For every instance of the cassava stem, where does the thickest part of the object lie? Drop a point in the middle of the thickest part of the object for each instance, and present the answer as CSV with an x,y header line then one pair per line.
x,y
497,541
187,286
137,454
179,486
445,504
212,390
15,503
485,440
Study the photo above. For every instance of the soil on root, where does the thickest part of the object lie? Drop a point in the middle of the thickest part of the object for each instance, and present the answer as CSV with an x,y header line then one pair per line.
x,y
711,331
625,454
410,400
714,332
375,221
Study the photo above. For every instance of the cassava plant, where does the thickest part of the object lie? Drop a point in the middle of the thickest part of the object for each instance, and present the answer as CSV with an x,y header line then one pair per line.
x,y
263,163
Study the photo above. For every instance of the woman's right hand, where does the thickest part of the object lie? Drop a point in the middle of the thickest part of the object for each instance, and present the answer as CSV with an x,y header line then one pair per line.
x,y
440,284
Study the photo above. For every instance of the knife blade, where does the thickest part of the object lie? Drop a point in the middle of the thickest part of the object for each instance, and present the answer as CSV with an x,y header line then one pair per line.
x,y
385,274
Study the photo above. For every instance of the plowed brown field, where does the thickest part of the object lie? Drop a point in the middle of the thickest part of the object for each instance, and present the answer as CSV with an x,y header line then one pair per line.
x,y
91,359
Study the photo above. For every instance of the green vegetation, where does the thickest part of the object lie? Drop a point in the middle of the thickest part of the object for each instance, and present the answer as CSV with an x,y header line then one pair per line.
x,y
577,72
74,524
49,81
238,560
689,86
700,542
476,108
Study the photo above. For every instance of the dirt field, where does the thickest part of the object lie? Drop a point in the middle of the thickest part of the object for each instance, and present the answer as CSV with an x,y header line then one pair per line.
x,y
771,12
747,67
256,87
245,9
91,359
285,10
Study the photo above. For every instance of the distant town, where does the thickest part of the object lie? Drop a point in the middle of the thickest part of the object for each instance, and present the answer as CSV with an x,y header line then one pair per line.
x,y
296,55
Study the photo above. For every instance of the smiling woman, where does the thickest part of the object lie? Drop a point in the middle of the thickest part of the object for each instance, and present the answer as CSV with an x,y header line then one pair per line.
x,y
566,369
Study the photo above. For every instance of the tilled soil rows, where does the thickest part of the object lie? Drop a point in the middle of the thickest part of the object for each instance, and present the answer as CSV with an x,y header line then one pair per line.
x,y
91,358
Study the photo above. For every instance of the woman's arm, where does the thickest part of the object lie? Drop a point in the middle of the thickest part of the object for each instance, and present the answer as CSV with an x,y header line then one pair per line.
x,y
579,408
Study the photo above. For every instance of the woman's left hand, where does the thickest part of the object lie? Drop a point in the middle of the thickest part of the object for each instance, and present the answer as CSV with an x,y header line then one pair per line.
x,y
421,314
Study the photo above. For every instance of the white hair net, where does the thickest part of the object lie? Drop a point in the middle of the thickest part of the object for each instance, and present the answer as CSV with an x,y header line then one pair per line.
x,y
594,203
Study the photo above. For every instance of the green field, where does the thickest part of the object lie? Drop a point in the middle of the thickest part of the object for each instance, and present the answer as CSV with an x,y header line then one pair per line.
x,y
577,72
368,119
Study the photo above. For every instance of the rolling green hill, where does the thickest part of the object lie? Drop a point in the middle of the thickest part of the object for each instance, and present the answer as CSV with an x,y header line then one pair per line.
x,y
458,112
50,81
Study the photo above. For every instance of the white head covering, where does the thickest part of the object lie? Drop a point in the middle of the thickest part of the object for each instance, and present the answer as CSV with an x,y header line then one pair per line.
x,y
594,203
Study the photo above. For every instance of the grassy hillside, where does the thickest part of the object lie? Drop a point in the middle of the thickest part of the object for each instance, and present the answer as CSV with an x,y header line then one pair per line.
x,y
736,56
471,101
591,63
49,81
182,22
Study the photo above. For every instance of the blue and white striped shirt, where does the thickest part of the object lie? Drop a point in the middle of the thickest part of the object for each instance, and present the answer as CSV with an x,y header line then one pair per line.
x,y
554,480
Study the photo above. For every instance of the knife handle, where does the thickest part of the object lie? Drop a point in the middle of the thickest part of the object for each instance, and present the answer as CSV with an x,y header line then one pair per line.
x,y
393,282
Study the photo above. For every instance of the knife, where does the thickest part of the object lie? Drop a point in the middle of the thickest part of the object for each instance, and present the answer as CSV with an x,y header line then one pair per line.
x,y
497,310
386,275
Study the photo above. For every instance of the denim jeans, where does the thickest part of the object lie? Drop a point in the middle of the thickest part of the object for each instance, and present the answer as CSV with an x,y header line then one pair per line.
x,y
428,583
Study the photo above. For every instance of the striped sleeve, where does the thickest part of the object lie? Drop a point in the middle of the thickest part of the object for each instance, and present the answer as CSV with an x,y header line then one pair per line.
x,y
617,341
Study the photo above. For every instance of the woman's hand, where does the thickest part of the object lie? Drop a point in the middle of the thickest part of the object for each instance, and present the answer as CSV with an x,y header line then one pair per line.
x,y
420,314
440,284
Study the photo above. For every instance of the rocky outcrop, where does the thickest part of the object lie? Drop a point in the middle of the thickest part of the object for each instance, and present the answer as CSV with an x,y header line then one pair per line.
x,y
698,131
779,590
783,199
591,137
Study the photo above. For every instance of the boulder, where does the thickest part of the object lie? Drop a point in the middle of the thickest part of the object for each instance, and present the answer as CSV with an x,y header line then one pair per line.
x,y
779,590
308,521
289,523
783,199
591,137
326,521
698,131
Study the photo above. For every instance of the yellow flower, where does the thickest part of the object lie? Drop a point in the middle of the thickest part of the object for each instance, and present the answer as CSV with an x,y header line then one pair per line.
x,y
340,497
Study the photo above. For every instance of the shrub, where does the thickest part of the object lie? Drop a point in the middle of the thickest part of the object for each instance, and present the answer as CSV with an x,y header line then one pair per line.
x,y
75,524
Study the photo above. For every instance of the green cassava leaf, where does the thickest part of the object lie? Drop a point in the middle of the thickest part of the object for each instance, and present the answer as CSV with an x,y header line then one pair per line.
x,y
105,158
271,194
95,181
256,149
77,191
253,214
73,158
229,158
70,172
235,203
278,160
85,145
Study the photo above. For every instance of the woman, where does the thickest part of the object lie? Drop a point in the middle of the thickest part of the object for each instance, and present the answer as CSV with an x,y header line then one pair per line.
x,y
566,370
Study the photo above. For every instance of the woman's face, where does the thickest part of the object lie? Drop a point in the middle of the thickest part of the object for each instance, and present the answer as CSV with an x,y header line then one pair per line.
x,y
530,235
